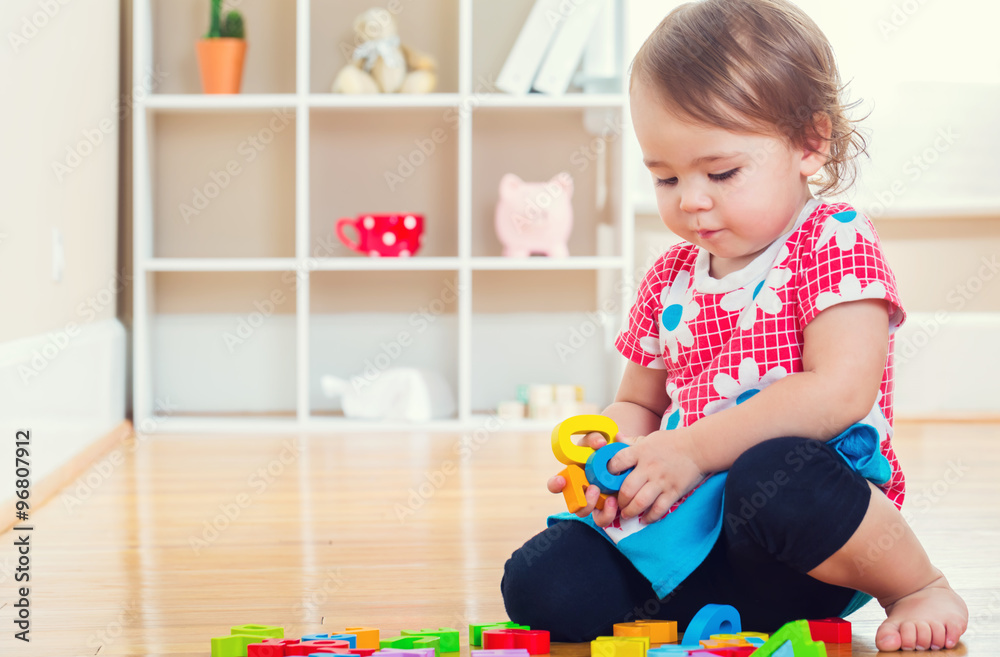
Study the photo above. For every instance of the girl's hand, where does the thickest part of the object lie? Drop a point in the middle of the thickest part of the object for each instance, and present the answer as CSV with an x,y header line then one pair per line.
x,y
666,468
603,517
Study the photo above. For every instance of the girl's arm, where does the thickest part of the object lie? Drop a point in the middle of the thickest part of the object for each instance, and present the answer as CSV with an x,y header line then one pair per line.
x,y
843,359
640,401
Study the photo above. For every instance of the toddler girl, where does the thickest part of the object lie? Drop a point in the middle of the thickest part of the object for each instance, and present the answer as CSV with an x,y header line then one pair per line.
x,y
757,400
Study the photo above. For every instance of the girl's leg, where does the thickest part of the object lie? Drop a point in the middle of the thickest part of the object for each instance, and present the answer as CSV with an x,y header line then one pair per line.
x,y
796,500
922,610
571,581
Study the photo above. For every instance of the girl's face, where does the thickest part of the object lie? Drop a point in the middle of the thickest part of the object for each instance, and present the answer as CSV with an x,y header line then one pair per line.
x,y
731,193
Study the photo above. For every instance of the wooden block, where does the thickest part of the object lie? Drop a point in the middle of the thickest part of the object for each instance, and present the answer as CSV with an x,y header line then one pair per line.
x,y
367,637
270,647
361,652
448,637
596,469
726,651
830,630
303,648
536,642
618,646
266,631
568,452
658,631
514,652
668,650
794,636
711,619
411,642
575,492
476,631
416,652
714,642
351,639
754,638
234,645
315,637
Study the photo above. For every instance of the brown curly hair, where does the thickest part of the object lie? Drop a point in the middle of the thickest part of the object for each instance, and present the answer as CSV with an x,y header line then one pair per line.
x,y
759,66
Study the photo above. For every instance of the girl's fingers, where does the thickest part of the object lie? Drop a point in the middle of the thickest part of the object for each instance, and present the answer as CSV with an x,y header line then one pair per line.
x,y
606,516
556,484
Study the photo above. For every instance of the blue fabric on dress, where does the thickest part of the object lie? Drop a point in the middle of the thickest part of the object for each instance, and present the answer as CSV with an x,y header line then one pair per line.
x,y
669,550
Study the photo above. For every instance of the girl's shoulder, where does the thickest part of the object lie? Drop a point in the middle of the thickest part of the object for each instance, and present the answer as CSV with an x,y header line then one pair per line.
x,y
680,257
832,225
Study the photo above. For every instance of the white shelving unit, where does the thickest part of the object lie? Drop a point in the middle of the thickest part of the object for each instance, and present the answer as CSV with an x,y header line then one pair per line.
x,y
281,237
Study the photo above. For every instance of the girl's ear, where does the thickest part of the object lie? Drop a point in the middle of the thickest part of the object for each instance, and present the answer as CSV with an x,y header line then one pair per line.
x,y
816,150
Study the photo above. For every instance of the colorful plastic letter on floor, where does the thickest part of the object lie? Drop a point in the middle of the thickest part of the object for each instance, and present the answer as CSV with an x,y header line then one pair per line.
x,y
711,619
793,639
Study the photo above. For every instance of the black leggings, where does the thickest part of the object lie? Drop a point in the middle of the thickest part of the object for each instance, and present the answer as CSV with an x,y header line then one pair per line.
x,y
790,503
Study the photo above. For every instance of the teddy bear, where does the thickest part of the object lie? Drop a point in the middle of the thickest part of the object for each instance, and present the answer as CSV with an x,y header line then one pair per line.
x,y
381,64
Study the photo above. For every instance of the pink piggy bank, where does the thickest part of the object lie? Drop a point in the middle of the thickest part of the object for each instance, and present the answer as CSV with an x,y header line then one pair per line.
x,y
535,218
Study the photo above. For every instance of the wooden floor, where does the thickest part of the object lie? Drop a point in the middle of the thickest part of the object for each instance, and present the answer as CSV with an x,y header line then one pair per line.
x,y
185,536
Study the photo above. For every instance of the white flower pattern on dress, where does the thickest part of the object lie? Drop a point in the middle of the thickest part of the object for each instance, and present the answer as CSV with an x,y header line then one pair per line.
x,y
675,417
845,226
877,420
750,382
679,308
850,290
763,295
652,346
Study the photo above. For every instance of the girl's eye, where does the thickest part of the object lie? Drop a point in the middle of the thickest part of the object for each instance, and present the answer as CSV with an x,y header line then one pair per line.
x,y
724,176
666,182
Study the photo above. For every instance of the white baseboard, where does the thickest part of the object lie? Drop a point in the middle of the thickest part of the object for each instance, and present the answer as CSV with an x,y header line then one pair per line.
x,y
947,365
67,388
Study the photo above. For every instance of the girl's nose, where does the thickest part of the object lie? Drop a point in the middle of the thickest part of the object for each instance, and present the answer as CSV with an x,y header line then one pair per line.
x,y
695,200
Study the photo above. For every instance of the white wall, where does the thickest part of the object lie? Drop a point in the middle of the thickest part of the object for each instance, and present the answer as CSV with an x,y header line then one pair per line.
x,y
61,348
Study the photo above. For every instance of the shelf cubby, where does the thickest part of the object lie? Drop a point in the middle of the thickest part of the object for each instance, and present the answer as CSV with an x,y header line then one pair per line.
x,y
230,191
178,24
385,320
381,162
223,343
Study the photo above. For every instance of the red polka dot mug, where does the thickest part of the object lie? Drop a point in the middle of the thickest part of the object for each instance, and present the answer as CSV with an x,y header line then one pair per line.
x,y
396,235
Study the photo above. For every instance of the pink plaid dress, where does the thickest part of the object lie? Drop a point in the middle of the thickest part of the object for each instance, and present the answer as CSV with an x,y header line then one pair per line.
x,y
724,340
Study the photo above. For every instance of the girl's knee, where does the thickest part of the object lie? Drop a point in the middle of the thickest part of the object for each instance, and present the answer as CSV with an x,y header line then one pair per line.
x,y
775,473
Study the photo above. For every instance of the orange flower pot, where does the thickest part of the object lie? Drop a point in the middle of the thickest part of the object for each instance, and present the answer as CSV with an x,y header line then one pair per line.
x,y
221,64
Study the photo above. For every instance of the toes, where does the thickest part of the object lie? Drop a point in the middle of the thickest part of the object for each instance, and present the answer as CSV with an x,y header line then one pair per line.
x,y
924,636
953,632
938,635
887,637
907,636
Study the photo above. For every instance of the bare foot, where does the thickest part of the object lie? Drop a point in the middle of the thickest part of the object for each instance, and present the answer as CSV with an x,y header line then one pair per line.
x,y
933,617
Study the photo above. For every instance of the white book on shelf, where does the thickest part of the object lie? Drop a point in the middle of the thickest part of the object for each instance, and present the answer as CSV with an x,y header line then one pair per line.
x,y
602,68
563,56
529,49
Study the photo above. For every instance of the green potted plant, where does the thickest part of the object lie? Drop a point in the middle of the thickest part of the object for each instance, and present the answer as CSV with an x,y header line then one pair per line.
x,y
221,52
